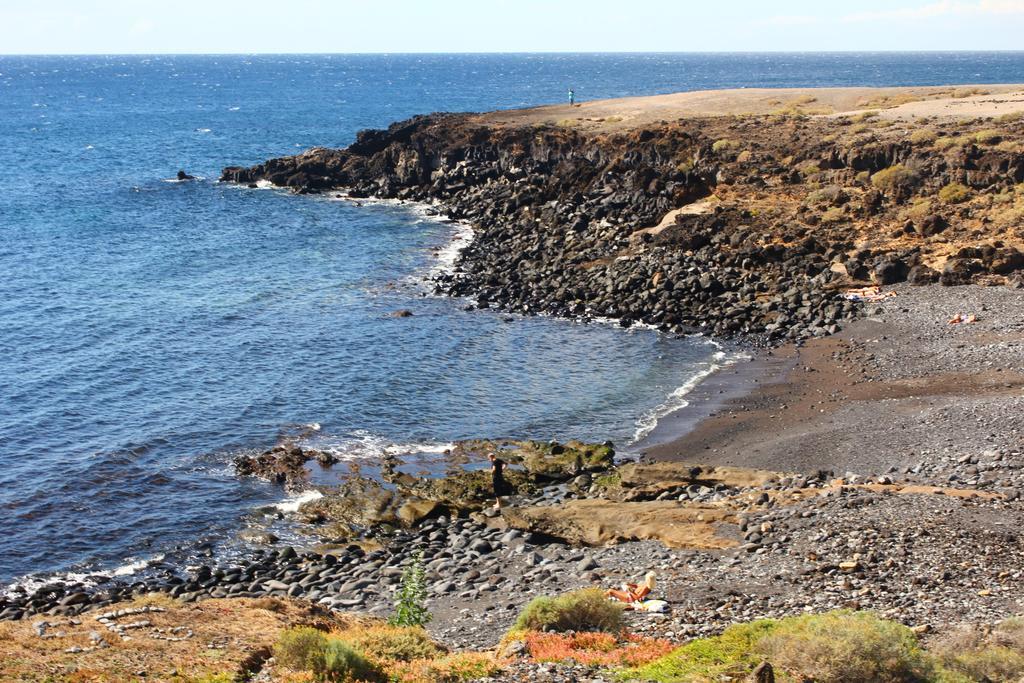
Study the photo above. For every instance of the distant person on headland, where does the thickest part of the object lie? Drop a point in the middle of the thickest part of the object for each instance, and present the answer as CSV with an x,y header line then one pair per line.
x,y
572,97
185,176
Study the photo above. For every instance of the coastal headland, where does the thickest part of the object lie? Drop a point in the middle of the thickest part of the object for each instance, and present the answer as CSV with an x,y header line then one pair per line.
x,y
865,245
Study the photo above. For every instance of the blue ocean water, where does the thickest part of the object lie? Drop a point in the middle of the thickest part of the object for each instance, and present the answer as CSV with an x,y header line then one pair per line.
x,y
151,330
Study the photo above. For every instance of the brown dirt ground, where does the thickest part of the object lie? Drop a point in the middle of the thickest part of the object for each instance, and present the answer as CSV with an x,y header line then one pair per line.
x,y
225,634
909,102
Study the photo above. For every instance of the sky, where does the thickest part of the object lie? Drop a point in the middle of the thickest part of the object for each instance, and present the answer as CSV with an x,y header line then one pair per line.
x,y
316,26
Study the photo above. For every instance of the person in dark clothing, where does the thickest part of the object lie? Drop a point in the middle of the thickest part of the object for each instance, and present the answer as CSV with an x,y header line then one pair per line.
x,y
501,487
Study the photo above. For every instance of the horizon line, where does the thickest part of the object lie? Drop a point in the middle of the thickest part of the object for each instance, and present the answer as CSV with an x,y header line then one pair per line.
x,y
512,52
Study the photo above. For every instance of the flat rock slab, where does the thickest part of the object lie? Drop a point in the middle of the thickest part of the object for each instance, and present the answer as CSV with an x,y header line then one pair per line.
x,y
602,522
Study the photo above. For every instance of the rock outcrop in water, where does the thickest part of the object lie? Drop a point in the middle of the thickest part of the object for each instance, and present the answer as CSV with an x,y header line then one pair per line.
x,y
732,225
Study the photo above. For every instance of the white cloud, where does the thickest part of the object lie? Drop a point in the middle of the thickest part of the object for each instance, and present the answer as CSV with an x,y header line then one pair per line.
x,y
142,27
942,9
793,20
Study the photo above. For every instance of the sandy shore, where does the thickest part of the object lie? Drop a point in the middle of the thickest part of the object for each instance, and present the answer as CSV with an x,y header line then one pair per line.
x,y
962,101
893,390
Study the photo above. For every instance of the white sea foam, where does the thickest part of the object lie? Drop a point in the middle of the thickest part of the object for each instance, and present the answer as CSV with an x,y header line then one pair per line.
x,y
186,180
294,503
459,238
34,582
133,566
445,257
677,400
362,445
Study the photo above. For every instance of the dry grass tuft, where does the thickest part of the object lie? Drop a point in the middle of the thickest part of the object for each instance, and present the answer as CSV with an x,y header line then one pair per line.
x,y
954,193
923,136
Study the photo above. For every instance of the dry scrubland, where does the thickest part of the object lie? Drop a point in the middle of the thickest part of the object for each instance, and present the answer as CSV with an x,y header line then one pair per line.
x,y
562,638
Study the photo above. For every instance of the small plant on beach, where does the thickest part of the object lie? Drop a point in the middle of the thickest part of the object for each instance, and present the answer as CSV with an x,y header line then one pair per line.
x,y
301,649
809,169
983,655
949,142
397,643
923,136
847,646
834,215
728,656
453,668
410,605
582,610
987,137
961,93
343,663
841,647
594,648
724,145
895,178
955,193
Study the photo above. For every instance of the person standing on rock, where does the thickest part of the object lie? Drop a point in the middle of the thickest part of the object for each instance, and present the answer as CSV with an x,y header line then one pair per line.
x,y
572,97
501,487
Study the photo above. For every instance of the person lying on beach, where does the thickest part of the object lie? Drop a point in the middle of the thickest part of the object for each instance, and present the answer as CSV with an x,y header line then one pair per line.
x,y
633,592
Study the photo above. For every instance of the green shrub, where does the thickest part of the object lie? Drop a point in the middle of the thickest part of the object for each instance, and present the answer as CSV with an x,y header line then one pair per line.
x,y
301,649
961,93
866,116
343,663
401,643
410,605
608,481
1010,633
835,647
214,678
923,136
583,610
955,193
728,656
846,647
969,654
990,663
987,137
810,168
948,142
1012,117
834,215
724,145
894,178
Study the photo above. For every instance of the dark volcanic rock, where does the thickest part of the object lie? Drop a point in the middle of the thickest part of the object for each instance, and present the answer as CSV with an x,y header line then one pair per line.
x,y
563,219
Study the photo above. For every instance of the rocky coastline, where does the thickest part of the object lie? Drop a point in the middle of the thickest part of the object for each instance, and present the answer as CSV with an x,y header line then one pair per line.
x,y
880,469
734,226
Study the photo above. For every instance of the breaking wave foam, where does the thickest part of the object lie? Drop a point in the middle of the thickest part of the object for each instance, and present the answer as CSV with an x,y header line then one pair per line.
x,y
678,400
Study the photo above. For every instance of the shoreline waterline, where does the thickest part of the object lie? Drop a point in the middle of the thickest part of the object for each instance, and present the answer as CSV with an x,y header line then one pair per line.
x,y
441,260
